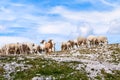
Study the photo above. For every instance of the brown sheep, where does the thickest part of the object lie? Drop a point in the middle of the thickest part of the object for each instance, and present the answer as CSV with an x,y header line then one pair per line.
x,y
81,41
47,46
67,45
12,48
92,40
25,49
70,44
64,46
102,40
37,49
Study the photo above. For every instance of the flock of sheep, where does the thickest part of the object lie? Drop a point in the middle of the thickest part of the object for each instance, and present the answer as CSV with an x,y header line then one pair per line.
x,y
90,41
27,48
49,46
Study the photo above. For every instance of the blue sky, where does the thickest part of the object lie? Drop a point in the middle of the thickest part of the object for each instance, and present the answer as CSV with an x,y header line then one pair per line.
x,y
60,20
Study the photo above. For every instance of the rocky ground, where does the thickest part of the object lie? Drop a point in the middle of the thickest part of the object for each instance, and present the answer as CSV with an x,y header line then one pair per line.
x,y
97,63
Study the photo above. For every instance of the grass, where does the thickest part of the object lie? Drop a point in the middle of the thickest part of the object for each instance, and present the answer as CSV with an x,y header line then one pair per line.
x,y
2,77
2,71
98,78
115,76
115,55
47,67
116,51
88,51
7,59
108,76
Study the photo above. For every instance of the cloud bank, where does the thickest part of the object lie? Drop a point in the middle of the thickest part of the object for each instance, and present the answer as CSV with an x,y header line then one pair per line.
x,y
37,20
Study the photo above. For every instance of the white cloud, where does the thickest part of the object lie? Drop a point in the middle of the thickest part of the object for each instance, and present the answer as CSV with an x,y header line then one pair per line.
x,y
97,2
6,14
100,28
10,39
59,28
92,16
2,27
108,3
98,21
68,23
3,9
85,30
17,4
114,27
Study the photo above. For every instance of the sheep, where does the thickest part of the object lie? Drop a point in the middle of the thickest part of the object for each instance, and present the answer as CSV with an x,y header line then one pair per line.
x,y
81,41
75,43
102,40
48,46
92,40
64,46
37,49
12,48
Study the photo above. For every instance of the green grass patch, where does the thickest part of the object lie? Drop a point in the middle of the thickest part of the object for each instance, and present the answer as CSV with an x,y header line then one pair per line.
x,y
108,76
2,70
47,67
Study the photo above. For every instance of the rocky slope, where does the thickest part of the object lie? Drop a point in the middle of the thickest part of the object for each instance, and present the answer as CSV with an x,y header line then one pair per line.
x,y
97,63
